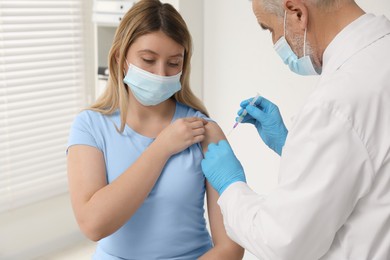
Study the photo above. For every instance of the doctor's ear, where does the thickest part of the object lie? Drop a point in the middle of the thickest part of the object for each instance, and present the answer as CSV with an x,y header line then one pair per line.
x,y
298,12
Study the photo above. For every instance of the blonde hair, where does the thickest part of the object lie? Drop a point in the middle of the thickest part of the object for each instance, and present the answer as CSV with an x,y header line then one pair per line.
x,y
145,17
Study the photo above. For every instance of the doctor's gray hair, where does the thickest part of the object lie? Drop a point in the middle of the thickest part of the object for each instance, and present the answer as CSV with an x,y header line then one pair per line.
x,y
276,6
273,6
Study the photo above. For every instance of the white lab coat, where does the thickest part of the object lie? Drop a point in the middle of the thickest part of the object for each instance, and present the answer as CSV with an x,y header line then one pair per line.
x,y
333,197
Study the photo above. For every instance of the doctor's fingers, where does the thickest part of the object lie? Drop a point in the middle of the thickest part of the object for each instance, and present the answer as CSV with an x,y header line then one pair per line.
x,y
247,118
211,148
261,103
216,149
258,102
256,113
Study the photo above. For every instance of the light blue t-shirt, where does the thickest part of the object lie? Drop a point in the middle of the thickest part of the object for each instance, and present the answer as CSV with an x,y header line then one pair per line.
x,y
170,224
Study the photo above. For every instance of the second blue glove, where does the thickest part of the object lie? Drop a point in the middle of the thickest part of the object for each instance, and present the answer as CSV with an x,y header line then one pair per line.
x,y
269,123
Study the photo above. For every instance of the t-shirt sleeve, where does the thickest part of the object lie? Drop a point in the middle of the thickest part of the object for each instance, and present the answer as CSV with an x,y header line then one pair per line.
x,y
82,131
201,115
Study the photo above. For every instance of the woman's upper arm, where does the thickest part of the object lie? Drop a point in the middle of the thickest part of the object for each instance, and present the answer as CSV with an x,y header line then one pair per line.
x,y
213,135
86,174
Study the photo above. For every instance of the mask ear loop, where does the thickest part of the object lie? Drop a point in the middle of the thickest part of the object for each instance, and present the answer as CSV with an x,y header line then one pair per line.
x,y
304,36
304,43
128,66
284,24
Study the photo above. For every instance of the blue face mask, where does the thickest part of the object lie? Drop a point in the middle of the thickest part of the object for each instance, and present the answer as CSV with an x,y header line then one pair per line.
x,y
301,66
151,89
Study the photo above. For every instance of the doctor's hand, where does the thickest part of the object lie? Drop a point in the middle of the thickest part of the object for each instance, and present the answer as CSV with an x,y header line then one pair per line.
x,y
269,123
221,167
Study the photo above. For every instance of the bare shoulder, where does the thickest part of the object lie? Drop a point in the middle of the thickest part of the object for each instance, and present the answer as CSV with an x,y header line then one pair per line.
x,y
213,134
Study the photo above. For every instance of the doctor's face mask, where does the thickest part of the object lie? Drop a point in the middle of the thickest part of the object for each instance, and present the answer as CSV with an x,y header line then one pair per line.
x,y
301,66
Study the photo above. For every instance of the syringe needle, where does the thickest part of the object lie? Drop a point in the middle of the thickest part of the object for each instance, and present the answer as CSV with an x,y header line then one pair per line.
x,y
231,130
244,113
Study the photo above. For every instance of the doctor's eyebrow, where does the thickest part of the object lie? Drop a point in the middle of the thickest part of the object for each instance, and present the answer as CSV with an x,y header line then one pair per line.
x,y
264,27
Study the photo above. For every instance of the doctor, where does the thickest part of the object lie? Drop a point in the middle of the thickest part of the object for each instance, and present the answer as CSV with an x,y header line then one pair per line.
x,y
333,197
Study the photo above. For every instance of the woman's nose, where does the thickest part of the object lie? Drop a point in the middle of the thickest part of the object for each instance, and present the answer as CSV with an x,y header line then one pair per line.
x,y
161,70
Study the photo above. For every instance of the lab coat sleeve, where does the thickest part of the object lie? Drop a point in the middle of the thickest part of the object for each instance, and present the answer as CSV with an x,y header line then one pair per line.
x,y
325,170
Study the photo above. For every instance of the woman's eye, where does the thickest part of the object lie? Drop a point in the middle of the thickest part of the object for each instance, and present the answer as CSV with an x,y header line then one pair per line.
x,y
173,64
148,61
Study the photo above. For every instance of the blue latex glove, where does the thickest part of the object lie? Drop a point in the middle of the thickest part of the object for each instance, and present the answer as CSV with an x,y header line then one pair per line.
x,y
221,167
269,123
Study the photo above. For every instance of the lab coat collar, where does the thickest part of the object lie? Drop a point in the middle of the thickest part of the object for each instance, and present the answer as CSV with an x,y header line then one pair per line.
x,y
356,36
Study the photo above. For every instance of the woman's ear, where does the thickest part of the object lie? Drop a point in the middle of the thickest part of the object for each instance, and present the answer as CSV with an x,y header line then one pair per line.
x,y
117,57
298,13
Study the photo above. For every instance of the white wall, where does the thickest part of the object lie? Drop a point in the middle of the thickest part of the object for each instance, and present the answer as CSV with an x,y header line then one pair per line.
x,y
240,61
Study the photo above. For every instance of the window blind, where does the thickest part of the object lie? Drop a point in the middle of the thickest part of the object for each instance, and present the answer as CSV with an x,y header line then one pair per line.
x,y
42,87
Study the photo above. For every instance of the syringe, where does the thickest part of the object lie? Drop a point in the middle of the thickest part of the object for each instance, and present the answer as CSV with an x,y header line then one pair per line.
x,y
244,113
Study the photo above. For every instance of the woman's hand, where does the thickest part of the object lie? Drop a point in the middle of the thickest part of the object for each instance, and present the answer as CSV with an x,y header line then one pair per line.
x,y
181,134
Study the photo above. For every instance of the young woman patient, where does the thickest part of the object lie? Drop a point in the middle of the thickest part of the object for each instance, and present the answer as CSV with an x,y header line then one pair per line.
x,y
134,156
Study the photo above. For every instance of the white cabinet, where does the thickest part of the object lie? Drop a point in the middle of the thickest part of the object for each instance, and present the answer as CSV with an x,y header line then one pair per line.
x,y
110,12
107,14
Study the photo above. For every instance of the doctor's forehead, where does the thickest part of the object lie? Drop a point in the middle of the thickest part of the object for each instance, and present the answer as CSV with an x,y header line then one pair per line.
x,y
260,14
267,20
